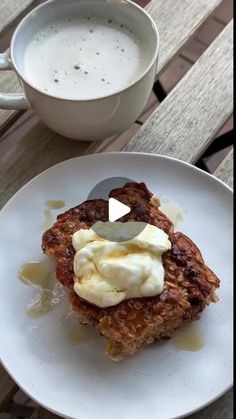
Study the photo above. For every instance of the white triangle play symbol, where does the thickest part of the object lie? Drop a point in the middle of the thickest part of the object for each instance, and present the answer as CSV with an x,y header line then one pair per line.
x,y
117,209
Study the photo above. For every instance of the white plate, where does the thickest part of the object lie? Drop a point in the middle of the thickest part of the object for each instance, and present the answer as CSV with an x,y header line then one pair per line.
x,y
79,381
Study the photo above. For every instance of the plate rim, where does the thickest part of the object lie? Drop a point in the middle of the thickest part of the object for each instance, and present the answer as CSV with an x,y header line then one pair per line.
x,y
113,153
110,154
57,412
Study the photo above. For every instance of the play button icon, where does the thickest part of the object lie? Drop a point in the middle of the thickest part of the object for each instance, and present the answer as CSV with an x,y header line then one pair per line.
x,y
117,210
112,226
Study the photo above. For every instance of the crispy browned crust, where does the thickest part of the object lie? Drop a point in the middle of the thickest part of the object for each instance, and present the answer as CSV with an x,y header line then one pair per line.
x,y
57,240
129,326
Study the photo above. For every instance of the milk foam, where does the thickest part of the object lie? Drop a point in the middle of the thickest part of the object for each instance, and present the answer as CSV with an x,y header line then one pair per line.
x,y
84,58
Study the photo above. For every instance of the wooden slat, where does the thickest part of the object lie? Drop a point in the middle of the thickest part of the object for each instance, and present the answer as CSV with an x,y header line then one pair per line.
x,y
8,83
225,170
177,21
7,388
10,10
221,409
182,126
176,24
39,149
185,123
43,414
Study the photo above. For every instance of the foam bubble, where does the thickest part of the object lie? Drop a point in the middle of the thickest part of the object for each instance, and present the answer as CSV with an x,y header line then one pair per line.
x,y
107,63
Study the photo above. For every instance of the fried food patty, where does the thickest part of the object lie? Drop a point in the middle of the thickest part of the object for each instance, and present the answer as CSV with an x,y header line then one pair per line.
x,y
189,285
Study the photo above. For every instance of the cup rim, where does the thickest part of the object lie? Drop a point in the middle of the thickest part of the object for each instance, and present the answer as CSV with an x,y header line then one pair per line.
x,y
143,74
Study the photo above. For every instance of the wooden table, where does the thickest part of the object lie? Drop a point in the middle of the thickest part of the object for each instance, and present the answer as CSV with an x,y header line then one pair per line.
x,y
182,126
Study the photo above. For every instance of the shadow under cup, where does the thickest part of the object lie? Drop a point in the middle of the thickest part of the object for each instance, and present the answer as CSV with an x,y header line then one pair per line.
x,y
94,118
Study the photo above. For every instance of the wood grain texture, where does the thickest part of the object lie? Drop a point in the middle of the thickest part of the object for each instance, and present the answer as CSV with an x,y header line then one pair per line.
x,y
7,388
39,149
43,414
10,84
10,10
176,21
115,143
221,409
185,123
225,170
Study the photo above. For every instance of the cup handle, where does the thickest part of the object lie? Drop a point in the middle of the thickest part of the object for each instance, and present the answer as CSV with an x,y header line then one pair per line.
x,y
11,101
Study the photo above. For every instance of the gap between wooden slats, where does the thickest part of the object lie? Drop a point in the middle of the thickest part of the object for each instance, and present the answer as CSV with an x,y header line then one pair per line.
x,y
225,170
7,388
43,414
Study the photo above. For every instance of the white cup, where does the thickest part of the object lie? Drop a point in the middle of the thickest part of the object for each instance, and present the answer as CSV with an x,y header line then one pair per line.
x,y
92,119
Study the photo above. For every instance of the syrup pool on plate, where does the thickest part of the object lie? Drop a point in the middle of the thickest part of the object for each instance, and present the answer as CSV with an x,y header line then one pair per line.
x,y
51,205
75,332
188,338
49,291
173,212
55,204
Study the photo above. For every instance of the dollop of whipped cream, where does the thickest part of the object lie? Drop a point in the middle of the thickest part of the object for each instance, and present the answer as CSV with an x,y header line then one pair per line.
x,y
108,272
